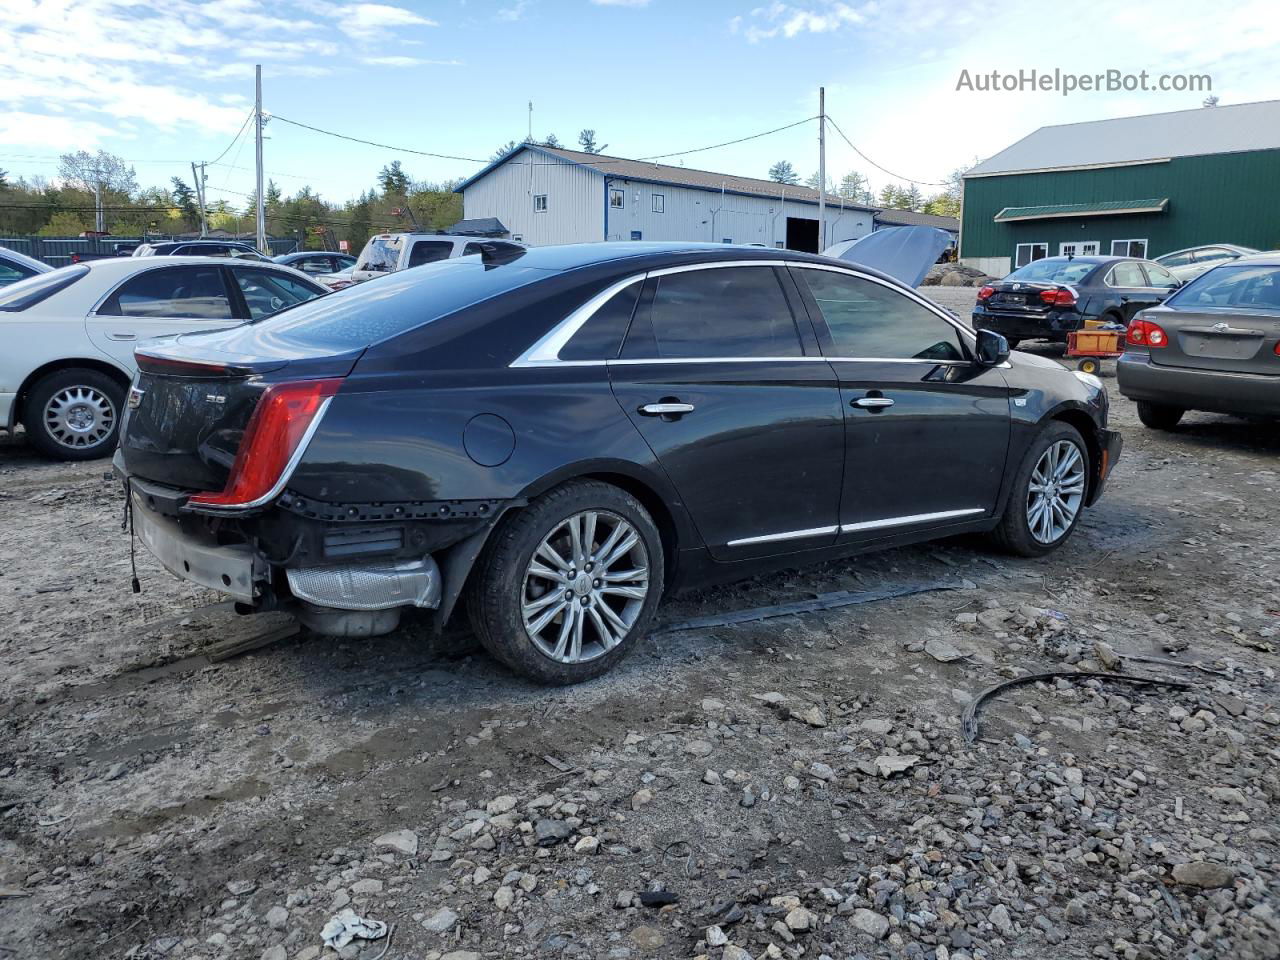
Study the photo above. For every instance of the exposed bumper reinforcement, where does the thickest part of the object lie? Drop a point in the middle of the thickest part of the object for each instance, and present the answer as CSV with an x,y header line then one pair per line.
x,y
229,569
369,586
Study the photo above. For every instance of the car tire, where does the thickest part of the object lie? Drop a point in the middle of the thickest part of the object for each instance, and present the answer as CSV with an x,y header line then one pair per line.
x,y
1016,533
74,414
1158,416
511,596
1089,365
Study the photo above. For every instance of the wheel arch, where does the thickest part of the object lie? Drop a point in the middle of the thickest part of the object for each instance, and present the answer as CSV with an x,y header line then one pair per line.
x,y
1088,430
53,366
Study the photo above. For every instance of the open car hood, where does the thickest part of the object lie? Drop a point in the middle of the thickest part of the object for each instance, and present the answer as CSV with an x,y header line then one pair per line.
x,y
904,253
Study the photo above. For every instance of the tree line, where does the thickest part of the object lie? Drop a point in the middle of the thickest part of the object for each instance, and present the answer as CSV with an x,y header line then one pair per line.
x,y
856,188
91,184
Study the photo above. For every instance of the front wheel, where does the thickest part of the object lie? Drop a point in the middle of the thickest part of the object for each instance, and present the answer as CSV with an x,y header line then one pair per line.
x,y
569,585
1048,493
1157,416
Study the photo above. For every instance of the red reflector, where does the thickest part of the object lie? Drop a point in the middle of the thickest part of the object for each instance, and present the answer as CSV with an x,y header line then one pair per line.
x,y
279,422
1058,298
986,292
167,366
1144,333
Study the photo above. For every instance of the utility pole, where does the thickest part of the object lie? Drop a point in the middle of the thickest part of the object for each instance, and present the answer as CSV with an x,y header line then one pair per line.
x,y
530,137
199,178
262,202
822,169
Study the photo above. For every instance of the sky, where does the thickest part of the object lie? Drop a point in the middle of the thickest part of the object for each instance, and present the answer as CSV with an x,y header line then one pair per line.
x,y
165,83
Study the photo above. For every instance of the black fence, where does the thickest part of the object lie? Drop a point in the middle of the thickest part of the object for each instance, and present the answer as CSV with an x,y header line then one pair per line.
x,y
58,251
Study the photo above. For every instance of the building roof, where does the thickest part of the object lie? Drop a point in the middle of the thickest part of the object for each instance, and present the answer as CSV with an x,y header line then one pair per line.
x,y
649,172
1101,208
910,218
1130,140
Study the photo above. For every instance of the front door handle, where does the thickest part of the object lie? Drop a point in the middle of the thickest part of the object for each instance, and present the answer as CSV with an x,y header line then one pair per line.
x,y
122,336
872,403
666,408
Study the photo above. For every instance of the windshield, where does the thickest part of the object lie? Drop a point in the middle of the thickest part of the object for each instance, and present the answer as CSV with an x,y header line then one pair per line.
x,y
1053,270
381,253
27,293
1232,285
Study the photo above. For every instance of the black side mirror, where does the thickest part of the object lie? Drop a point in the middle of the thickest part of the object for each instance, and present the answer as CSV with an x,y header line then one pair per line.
x,y
992,349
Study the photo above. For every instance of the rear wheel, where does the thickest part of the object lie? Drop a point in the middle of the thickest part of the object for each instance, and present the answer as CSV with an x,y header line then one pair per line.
x,y
570,584
1089,365
1158,416
74,414
1048,493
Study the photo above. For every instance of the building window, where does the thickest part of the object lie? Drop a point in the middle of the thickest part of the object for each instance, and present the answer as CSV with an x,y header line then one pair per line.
x,y
727,240
539,203
617,199
659,203
1079,248
635,234
1027,252
1129,248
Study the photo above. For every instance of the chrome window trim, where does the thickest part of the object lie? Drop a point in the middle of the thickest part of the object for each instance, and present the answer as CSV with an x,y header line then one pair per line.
x,y
546,350
285,475
910,519
788,535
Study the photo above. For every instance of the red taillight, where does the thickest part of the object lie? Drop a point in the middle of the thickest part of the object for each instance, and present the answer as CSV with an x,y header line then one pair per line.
x,y
277,427
986,292
1277,349
1144,333
1061,297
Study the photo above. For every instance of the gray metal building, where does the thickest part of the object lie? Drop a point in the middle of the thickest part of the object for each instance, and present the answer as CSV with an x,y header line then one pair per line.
x,y
546,195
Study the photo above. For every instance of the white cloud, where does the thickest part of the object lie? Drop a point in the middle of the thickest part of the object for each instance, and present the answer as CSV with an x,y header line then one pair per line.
x,y
53,132
408,62
95,65
621,3
513,12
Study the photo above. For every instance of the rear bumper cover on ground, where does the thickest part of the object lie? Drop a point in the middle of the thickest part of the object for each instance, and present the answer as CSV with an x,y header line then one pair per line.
x,y
1212,390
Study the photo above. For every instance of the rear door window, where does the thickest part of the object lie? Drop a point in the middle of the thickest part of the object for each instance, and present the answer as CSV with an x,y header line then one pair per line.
x,y
869,320
184,293
267,292
1127,274
718,313
1159,277
429,251
601,336
13,272
313,265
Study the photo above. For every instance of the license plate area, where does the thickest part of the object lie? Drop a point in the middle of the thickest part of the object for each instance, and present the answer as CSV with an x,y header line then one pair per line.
x,y
231,569
1219,346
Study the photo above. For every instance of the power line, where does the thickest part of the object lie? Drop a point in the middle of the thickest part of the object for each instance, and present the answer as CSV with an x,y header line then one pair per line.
x,y
248,116
923,183
601,162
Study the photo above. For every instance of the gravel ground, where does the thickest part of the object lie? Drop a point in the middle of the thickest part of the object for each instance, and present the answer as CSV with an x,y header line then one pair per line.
x,y
792,787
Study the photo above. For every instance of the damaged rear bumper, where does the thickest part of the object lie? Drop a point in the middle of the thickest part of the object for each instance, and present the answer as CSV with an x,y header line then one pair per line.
x,y
233,569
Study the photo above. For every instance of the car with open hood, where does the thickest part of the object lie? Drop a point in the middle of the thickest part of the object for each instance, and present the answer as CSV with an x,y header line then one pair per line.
x,y
561,435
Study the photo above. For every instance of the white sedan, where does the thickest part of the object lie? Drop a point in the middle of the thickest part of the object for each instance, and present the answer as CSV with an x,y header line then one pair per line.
x,y
67,337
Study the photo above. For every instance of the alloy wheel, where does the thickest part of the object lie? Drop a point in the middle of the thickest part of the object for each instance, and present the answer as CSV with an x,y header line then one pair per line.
x,y
1056,491
79,417
585,586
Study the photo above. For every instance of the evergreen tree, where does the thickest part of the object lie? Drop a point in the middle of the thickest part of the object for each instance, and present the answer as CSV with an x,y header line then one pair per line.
x,y
587,141
783,172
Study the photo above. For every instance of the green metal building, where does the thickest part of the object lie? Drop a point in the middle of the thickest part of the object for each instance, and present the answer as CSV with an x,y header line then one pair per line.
x,y
1139,186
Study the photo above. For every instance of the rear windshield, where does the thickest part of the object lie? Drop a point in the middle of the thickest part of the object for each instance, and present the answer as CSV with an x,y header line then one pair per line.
x,y
1052,270
369,313
381,253
27,293
1232,285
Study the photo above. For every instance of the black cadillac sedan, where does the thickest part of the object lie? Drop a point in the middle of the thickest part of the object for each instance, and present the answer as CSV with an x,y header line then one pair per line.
x,y
1049,298
561,435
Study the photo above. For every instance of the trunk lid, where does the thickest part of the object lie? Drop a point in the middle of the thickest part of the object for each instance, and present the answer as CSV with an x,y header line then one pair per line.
x,y
1229,340
195,393
1019,296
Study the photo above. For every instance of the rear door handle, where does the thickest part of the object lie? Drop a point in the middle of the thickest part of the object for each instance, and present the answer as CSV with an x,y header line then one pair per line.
x,y
666,409
873,403
122,336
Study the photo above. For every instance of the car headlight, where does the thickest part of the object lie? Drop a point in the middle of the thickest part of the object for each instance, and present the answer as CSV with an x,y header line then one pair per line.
x,y
1088,379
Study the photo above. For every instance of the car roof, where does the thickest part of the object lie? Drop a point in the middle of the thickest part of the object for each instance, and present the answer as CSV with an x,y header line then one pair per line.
x,y
122,266
1209,246
1266,258
22,258
430,235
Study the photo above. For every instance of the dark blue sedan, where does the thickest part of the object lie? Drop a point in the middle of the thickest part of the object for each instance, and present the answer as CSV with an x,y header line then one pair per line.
x,y
1049,298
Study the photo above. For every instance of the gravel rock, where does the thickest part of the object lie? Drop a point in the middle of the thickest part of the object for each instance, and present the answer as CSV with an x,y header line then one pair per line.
x,y
402,841
871,923
277,918
441,921
1203,874
548,832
